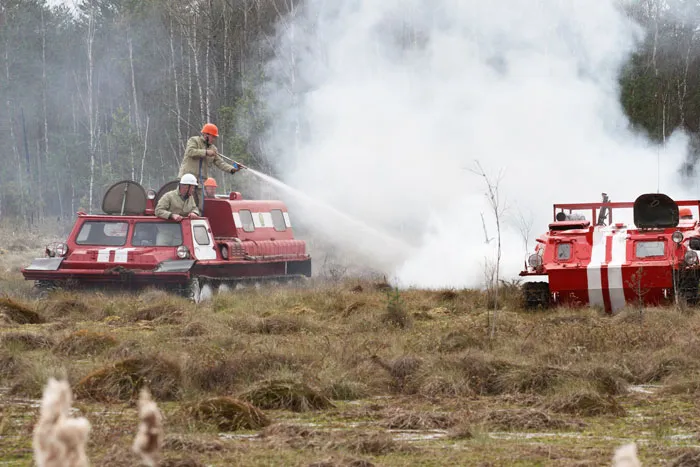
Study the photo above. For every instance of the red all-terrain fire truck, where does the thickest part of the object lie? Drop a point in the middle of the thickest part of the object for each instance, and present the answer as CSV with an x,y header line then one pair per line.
x,y
129,247
589,259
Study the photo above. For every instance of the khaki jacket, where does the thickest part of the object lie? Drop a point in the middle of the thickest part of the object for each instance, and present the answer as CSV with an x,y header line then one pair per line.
x,y
194,152
172,203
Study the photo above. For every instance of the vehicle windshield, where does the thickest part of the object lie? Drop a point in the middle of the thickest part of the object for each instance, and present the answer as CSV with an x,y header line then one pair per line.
x,y
103,233
157,234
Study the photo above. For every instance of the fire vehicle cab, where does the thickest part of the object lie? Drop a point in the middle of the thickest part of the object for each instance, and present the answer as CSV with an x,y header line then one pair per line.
x,y
595,261
128,246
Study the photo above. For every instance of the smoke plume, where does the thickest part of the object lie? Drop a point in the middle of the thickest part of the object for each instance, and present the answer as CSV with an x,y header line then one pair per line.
x,y
382,110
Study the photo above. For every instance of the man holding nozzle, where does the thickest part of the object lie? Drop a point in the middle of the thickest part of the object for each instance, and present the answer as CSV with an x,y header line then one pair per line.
x,y
200,154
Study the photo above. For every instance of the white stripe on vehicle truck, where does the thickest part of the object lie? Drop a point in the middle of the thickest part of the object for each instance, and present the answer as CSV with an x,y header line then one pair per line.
x,y
618,257
593,271
121,255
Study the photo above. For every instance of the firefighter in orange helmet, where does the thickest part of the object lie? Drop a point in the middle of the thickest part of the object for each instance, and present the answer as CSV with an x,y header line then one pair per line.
x,y
201,154
685,213
210,188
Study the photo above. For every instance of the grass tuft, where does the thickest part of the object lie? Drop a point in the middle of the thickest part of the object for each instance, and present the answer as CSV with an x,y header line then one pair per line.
x,y
583,400
67,305
529,419
26,341
287,395
411,420
228,414
122,381
85,343
18,313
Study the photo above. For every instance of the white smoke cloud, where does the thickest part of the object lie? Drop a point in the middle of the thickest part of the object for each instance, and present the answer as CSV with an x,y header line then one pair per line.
x,y
382,108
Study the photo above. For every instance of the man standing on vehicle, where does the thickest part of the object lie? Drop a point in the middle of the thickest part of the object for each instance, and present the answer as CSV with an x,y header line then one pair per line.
x,y
201,153
180,201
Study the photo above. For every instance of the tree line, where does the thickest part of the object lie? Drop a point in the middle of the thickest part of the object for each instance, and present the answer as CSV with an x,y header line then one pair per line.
x,y
113,89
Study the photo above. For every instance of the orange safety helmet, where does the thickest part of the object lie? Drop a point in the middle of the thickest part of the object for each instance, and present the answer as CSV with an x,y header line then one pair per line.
x,y
685,212
210,182
210,129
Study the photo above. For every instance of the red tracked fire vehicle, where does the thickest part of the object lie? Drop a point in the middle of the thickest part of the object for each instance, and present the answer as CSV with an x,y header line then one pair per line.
x,y
609,264
235,240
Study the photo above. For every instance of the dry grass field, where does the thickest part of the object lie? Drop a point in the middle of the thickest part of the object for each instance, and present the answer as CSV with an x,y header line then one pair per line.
x,y
350,373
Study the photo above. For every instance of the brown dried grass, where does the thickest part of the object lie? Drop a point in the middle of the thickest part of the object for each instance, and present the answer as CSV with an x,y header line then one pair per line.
x,y
85,343
286,395
528,419
19,313
26,340
414,420
123,380
228,414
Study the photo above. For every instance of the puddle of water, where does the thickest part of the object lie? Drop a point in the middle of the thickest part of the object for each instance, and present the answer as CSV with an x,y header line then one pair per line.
x,y
645,388
417,435
234,436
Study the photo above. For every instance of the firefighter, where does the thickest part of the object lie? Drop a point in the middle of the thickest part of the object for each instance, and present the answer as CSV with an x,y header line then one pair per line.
x,y
201,153
685,213
180,201
210,188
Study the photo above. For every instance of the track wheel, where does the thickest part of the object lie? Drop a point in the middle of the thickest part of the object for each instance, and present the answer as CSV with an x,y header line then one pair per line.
x,y
192,289
43,288
536,295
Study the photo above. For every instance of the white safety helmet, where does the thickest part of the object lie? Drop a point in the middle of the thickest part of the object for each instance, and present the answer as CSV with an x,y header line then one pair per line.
x,y
188,179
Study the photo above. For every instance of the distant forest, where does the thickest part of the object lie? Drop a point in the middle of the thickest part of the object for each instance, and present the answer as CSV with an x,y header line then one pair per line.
x,y
113,91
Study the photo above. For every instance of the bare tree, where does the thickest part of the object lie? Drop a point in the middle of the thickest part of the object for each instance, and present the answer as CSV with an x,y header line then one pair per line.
x,y
498,208
175,85
524,225
92,114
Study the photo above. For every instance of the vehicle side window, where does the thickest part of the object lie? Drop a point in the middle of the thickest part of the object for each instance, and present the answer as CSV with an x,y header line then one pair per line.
x,y
200,235
103,233
563,251
278,220
157,234
648,249
247,220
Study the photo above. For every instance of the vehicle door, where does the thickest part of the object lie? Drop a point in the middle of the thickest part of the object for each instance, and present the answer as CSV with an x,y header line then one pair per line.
x,y
202,240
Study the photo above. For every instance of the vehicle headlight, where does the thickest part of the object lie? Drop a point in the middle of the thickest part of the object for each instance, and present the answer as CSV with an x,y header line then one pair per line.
x,y
535,261
677,236
691,258
183,252
61,249
151,194
224,251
